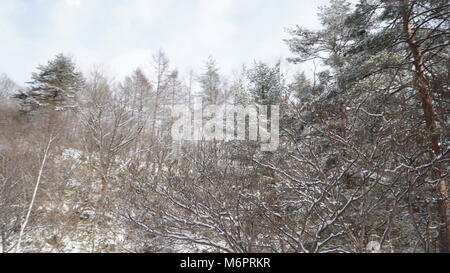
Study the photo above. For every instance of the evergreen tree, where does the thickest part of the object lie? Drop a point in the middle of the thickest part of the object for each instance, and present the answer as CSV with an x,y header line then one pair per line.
x,y
406,42
328,44
210,83
266,83
387,58
54,85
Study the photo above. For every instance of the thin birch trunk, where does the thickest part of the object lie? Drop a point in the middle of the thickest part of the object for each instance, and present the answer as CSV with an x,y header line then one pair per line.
x,y
36,187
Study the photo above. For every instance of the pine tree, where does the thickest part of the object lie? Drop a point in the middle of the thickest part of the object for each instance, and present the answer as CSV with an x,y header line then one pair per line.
x,y
210,82
408,39
266,83
388,58
327,44
55,85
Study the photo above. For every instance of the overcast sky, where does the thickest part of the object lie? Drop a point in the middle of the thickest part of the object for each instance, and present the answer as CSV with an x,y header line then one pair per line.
x,y
123,34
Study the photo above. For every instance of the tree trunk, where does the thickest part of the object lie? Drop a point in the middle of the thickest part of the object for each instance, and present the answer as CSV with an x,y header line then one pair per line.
x,y
424,93
33,198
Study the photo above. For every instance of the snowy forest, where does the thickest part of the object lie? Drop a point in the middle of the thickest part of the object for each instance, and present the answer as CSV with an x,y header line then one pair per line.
x,y
87,161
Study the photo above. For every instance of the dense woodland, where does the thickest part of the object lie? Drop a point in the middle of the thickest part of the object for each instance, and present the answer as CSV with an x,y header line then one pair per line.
x,y
87,162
